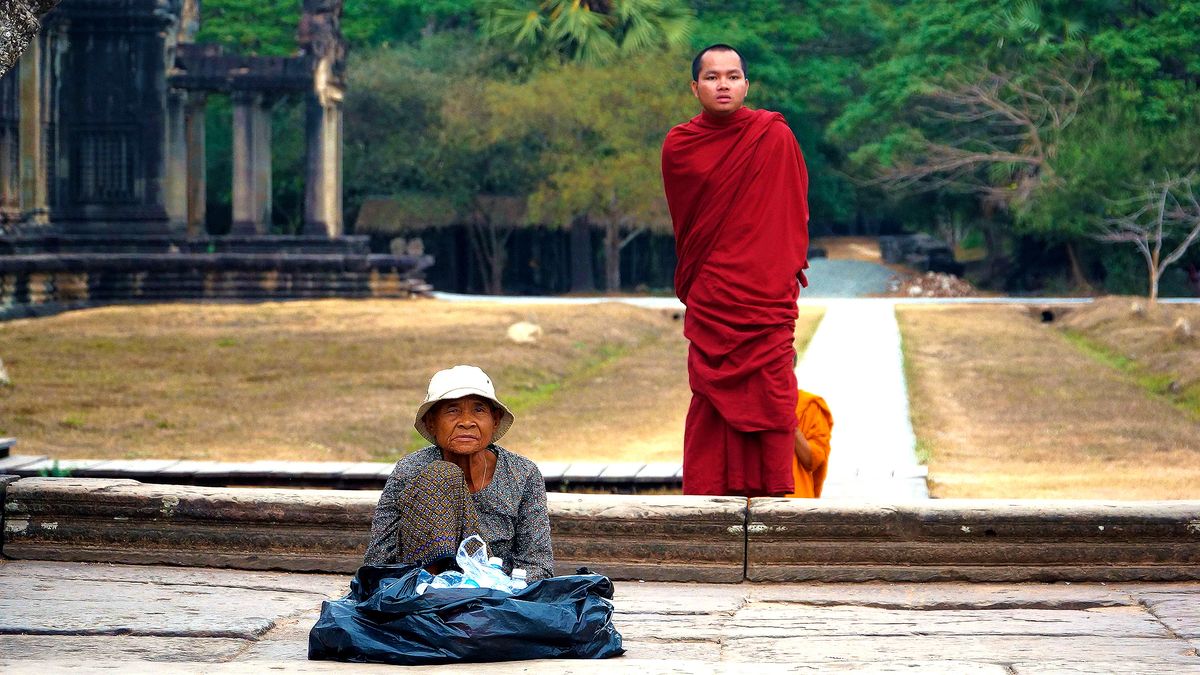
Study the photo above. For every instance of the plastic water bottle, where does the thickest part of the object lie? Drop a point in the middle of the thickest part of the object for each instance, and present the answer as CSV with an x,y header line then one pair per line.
x,y
423,580
519,580
447,579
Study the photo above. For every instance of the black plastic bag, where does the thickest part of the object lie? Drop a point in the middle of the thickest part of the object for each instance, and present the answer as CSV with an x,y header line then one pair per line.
x,y
384,620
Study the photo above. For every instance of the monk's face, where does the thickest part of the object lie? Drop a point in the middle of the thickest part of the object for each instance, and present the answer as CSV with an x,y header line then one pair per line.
x,y
722,86
463,426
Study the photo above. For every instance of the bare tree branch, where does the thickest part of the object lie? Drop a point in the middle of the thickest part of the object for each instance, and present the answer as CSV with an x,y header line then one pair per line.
x,y
986,119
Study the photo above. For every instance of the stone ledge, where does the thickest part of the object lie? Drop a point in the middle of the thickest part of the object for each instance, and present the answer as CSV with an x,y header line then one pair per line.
x,y
973,540
671,538
656,538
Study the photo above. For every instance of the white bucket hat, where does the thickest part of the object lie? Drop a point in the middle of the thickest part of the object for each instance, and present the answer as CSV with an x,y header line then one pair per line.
x,y
458,382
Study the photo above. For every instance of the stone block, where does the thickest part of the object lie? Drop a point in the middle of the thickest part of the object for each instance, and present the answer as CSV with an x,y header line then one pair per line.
x,y
128,522
13,463
659,472
656,538
583,472
620,472
552,472
671,538
973,540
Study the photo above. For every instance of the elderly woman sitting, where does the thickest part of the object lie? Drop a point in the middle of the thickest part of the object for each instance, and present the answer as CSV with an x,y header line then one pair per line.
x,y
464,484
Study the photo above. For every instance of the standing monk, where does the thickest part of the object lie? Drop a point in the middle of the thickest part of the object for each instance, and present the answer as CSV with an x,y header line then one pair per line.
x,y
737,189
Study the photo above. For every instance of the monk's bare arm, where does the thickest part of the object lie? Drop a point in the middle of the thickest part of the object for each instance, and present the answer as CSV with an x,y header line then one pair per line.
x,y
803,451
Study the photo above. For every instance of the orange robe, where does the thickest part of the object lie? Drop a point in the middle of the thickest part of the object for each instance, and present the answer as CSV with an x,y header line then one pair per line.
x,y
816,422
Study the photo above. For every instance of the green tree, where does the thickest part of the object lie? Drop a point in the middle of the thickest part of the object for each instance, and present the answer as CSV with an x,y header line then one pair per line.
x,y
805,60
592,31
601,137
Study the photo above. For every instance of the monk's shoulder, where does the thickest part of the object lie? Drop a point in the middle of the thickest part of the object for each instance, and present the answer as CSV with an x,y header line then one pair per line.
x,y
681,130
777,129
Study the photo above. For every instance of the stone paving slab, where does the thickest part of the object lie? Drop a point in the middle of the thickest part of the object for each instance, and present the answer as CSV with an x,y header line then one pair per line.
x,y
150,619
656,472
620,472
584,471
14,462
128,468
333,473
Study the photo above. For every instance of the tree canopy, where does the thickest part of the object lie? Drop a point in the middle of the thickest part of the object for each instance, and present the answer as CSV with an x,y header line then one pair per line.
x,y
1023,126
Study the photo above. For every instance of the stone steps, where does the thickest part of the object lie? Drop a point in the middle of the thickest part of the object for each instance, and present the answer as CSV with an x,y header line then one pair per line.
x,y
654,537
560,476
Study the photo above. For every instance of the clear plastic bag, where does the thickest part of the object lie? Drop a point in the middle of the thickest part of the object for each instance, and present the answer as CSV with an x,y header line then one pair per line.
x,y
477,570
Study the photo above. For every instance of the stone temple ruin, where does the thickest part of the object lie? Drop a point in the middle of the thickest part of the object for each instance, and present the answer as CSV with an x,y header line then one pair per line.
x,y
102,165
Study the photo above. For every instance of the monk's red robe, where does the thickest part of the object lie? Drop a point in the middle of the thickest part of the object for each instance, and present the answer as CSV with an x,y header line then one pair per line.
x,y
737,189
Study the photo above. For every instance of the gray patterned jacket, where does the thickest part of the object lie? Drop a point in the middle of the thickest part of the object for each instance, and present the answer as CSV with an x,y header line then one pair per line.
x,y
512,513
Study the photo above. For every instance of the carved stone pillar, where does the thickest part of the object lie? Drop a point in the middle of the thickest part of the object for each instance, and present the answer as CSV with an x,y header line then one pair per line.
x,y
320,38
251,164
323,179
176,164
32,146
197,163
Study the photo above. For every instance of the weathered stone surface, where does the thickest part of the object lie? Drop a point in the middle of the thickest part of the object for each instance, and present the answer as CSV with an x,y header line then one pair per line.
x,y
674,598
8,464
668,627
654,538
664,538
326,585
1180,615
977,540
1163,654
761,619
945,596
1056,667
44,606
85,652
126,521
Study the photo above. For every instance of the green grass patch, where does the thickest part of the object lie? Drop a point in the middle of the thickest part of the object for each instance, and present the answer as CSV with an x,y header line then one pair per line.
x,y
924,447
1160,385
804,334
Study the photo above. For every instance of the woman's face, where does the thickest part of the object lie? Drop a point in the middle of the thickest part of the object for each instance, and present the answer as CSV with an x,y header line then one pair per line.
x,y
463,426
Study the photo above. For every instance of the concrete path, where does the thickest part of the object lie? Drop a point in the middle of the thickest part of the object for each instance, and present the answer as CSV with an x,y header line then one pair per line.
x,y
57,617
854,362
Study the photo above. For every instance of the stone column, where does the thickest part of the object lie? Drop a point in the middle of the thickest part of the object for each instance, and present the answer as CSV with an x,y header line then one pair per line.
x,y
251,164
323,178
262,164
32,146
176,164
197,163
319,37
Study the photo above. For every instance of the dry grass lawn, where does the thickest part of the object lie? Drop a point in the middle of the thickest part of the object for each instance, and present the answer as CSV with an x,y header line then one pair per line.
x,y
1008,407
339,380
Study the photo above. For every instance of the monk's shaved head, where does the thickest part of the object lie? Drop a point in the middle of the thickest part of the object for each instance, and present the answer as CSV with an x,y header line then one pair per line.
x,y
719,47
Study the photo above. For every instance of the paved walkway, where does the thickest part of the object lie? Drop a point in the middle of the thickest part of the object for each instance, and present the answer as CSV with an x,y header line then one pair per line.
x,y
57,617
854,362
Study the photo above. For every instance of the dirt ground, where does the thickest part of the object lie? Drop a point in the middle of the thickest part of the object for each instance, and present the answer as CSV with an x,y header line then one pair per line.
x,y
850,248
1010,407
339,380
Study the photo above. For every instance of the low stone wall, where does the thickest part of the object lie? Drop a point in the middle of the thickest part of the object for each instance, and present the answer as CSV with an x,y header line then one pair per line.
x,y
973,540
665,538
32,285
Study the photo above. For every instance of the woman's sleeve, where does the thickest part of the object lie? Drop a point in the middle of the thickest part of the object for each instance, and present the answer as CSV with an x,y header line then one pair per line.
x,y
384,548
532,550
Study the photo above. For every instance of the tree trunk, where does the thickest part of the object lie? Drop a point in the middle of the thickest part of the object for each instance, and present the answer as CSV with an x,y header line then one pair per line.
x,y
1078,278
612,258
1154,276
582,274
